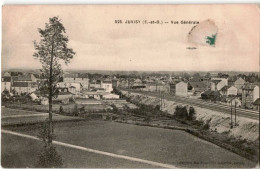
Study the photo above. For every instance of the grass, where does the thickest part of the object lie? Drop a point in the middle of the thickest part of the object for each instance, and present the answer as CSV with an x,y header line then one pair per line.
x,y
161,145
30,120
24,155
11,112
68,109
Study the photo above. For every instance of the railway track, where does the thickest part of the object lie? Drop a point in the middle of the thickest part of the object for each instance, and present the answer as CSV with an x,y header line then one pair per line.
x,y
204,104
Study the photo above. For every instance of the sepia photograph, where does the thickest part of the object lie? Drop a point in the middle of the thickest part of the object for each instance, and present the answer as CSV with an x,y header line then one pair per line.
x,y
130,86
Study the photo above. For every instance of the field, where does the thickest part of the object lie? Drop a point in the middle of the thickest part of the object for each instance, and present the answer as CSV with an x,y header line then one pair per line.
x,y
164,146
21,117
11,112
69,108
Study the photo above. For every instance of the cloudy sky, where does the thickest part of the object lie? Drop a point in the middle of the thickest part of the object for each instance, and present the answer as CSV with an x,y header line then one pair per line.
x,y
101,44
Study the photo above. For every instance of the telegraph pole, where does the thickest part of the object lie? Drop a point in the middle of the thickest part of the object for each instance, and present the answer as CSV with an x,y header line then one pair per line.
x,y
160,100
231,124
235,114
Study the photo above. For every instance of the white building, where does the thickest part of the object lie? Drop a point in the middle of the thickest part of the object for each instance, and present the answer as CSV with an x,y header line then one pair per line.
x,y
24,87
107,85
250,92
73,87
181,89
239,84
218,83
228,91
77,78
232,91
6,84
110,96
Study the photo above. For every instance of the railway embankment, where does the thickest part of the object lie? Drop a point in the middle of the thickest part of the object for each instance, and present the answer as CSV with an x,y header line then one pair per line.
x,y
243,128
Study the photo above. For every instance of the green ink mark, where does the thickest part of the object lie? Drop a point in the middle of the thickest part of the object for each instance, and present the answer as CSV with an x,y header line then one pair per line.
x,y
211,40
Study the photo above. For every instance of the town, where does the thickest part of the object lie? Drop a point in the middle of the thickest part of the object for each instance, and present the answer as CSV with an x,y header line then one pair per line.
x,y
238,90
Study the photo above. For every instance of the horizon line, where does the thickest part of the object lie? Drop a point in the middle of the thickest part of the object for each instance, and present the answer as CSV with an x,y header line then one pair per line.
x,y
116,70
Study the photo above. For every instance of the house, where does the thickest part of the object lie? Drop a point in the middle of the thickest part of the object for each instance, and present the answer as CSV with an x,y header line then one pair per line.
x,y
138,81
197,87
44,100
73,87
77,78
25,78
228,91
6,84
250,93
239,84
123,83
94,95
218,83
181,89
172,87
95,84
6,74
24,87
155,87
107,85
110,96
234,102
115,83
63,96
256,104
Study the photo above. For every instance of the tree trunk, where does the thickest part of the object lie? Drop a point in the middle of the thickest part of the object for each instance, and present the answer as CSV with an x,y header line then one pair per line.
x,y
50,101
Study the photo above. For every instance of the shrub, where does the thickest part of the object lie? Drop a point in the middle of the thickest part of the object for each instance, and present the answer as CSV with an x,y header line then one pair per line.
x,y
181,112
75,110
115,109
192,113
61,109
82,110
206,126
48,157
157,107
147,119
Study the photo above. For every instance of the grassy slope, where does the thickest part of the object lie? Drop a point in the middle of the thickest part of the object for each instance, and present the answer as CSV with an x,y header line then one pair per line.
x,y
161,145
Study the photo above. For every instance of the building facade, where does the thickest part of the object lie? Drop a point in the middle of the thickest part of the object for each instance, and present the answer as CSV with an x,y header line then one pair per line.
x,y
250,93
6,84
181,89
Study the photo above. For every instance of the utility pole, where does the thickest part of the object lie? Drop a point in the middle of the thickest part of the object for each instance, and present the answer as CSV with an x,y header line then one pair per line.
x,y
128,85
160,100
235,114
231,124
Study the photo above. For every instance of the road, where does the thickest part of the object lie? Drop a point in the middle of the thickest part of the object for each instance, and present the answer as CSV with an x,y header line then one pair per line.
x,y
204,104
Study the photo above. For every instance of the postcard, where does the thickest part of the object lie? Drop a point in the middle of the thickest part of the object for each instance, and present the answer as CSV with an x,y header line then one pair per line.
x,y
130,86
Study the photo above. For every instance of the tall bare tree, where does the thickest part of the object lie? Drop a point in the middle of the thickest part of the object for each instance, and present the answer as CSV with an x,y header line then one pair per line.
x,y
50,51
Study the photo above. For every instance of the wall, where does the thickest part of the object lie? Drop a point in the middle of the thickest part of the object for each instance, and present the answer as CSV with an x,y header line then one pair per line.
x,y
182,89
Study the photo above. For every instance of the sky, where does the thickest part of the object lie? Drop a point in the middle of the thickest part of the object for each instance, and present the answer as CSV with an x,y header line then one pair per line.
x,y
100,44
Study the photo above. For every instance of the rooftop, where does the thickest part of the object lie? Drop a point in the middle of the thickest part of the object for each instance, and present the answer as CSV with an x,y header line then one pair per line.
x,y
20,84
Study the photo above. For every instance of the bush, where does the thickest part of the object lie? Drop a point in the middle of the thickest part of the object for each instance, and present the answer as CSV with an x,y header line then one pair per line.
x,y
181,112
147,119
115,109
61,110
48,156
157,107
192,113
75,110
206,126
82,110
